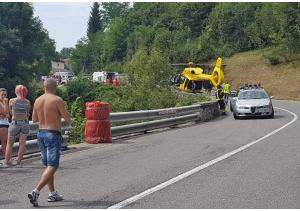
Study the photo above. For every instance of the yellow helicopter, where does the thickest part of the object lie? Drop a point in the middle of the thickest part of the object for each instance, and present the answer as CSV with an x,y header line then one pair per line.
x,y
194,77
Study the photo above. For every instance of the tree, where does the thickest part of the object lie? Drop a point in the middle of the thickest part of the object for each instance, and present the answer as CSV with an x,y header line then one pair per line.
x,y
293,27
94,23
195,16
80,58
276,26
111,10
115,41
226,28
148,74
25,47
65,53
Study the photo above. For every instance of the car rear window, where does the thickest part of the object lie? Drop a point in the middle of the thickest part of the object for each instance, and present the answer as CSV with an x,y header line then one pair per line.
x,y
252,94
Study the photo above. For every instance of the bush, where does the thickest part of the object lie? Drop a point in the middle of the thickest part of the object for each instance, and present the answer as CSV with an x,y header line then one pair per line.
x,y
274,55
78,122
274,60
192,99
35,89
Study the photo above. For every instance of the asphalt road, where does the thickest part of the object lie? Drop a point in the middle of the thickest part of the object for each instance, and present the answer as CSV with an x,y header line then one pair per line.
x,y
263,174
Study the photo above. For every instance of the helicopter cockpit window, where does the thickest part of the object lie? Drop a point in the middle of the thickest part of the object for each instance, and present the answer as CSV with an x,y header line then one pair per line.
x,y
181,79
178,79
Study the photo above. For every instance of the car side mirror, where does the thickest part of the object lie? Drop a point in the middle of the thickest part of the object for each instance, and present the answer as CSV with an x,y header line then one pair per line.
x,y
233,93
271,97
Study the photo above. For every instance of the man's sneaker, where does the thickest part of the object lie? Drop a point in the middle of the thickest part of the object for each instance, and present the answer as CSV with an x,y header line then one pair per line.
x,y
2,165
6,164
55,197
19,165
33,197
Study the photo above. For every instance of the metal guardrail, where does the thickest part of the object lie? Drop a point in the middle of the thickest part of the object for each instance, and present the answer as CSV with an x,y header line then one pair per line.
x,y
151,119
158,113
163,117
146,126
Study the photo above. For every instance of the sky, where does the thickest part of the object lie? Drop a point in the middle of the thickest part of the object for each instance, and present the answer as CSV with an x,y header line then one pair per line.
x,y
66,22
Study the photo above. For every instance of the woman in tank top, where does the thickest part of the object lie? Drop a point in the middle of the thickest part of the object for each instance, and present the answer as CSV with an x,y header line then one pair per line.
x,y
3,119
19,128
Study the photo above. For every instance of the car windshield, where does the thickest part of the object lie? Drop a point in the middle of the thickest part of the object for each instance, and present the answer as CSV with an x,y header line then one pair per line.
x,y
252,94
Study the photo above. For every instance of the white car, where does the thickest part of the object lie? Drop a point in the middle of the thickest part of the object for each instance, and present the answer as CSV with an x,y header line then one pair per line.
x,y
64,77
44,77
252,102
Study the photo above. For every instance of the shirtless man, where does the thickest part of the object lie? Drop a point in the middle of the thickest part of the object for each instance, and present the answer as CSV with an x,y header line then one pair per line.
x,y
47,111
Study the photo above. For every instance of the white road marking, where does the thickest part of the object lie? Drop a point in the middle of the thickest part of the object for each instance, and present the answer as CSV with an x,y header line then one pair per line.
x,y
199,168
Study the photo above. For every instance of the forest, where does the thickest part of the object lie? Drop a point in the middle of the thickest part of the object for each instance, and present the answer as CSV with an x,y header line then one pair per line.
x,y
119,33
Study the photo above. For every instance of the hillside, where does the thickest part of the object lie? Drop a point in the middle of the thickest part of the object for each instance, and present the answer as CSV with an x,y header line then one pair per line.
x,y
282,81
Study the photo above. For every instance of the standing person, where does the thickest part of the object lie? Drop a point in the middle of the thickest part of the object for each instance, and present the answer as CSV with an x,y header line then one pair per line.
x,y
209,87
47,111
220,99
19,128
3,119
259,85
226,90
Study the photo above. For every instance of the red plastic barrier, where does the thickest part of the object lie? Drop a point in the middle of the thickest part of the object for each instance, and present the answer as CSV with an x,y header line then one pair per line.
x,y
91,111
97,131
97,127
97,110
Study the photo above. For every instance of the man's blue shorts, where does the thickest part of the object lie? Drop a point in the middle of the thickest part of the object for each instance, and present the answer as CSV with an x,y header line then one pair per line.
x,y
49,142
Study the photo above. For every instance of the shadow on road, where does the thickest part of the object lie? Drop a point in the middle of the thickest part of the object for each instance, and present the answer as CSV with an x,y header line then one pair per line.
x,y
79,204
278,116
261,118
16,170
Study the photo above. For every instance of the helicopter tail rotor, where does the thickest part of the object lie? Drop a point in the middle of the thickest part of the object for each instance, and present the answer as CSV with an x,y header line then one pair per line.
x,y
217,76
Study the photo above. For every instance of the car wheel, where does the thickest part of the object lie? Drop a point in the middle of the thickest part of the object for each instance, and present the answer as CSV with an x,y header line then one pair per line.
x,y
271,116
235,116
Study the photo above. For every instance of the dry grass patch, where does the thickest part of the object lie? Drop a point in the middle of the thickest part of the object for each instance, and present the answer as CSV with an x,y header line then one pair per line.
x,y
282,81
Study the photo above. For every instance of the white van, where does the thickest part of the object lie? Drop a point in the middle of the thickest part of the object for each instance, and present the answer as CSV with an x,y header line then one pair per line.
x,y
99,76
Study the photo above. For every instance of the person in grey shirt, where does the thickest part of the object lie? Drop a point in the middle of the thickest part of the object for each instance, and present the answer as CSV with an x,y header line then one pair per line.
x,y
19,128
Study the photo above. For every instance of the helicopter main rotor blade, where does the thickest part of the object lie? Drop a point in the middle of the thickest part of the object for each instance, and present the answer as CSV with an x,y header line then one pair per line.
x,y
178,64
196,64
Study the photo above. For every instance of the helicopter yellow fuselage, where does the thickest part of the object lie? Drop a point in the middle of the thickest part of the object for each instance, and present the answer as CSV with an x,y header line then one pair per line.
x,y
195,74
